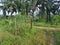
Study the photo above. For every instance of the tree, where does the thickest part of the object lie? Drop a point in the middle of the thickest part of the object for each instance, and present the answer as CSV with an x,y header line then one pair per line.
x,y
18,3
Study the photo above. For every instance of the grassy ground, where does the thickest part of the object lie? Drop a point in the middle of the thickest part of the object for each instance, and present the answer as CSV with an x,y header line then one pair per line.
x,y
44,24
17,32
55,22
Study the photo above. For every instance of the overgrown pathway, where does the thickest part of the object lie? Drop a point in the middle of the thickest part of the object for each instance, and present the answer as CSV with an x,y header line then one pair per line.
x,y
47,28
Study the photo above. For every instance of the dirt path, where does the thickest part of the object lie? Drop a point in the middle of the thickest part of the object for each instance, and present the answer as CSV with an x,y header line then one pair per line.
x,y
47,28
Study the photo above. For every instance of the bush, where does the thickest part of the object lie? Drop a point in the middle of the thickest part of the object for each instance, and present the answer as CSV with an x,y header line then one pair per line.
x,y
56,20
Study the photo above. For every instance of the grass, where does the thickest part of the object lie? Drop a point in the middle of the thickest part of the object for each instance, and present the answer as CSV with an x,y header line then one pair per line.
x,y
22,34
44,24
55,22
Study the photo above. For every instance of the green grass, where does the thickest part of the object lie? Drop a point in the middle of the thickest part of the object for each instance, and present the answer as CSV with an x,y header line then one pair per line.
x,y
25,35
44,24
55,22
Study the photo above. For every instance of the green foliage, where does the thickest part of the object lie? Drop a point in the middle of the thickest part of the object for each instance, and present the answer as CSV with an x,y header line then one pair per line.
x,y
18,3
56,20
26,36
56,36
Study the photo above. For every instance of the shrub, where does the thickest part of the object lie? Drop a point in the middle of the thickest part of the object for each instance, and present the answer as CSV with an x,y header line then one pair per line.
x,y
56,20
